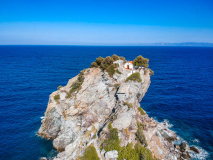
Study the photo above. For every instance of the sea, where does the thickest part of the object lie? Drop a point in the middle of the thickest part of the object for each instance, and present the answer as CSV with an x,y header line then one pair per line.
x,y
180,94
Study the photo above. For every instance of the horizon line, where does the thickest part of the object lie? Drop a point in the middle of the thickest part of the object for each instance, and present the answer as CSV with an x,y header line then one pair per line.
x,y
183,44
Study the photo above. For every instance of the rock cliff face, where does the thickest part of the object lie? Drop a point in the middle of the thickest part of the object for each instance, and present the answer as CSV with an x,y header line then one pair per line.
x,y
75,122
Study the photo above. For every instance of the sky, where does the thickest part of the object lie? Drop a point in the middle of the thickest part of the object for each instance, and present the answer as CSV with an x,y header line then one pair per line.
x,y
109,22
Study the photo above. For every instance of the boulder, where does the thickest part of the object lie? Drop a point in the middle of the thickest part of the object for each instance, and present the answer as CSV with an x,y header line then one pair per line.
x,y
62,141
184,147
195,149
170,139
177,146
111,155
186,155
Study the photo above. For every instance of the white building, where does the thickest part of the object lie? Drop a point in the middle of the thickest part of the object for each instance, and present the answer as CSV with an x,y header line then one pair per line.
x,y
128,65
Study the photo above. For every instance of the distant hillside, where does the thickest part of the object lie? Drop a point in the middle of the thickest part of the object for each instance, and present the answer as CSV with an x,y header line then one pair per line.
x,y
180,44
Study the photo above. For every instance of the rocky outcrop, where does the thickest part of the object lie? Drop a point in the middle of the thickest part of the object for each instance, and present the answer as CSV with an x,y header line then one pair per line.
x,y
77,120
195,149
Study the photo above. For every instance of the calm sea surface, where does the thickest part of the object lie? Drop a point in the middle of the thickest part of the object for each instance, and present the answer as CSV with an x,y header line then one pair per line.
x,y
181,92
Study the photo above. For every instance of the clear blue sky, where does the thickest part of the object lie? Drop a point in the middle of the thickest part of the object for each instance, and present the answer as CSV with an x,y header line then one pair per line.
x,y
109,22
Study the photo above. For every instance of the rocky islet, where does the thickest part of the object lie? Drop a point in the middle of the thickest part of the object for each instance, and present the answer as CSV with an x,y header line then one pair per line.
x,y
75,120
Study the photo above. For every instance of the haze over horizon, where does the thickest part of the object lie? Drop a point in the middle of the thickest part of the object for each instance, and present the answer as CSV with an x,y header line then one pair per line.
x,y
115,22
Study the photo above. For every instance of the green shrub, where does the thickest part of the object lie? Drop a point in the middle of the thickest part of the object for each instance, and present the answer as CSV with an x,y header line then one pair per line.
x,y
94,64
90,154
117,71
130,105
104,66
56,97
99,60
141,111
60,86
144,153
113,142
128,152
122,58
134,77
141,61
115,57
116,65
107,62
76,86
143,125
139,152
69,95
111,70
140,136
104,63
81,76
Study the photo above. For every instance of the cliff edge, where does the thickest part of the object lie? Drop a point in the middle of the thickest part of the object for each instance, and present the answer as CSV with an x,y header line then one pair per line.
x,y
100,108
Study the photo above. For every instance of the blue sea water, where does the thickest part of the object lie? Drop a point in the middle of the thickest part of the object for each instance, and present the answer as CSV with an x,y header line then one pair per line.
x,y
181,91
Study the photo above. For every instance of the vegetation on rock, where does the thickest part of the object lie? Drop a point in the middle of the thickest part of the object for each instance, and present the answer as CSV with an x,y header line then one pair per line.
x,y
130,105
60,86
113,142
56,97
138,152
128,152
122,58
141,111
151,72
140,135
134,77
143,152
141,61
90,154
104,63
115,57
94,64
107,62
99,60
76,86
111,69
117,71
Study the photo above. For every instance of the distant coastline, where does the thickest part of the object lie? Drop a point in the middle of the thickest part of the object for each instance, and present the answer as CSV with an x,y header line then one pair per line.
x,y
193,44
